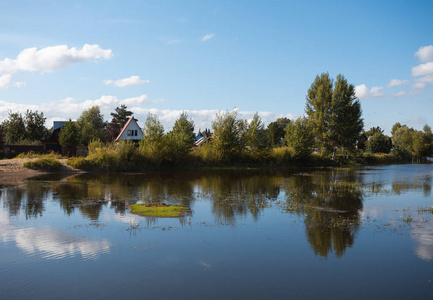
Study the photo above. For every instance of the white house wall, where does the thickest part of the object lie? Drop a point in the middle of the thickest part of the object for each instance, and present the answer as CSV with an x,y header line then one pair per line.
x,y
132,126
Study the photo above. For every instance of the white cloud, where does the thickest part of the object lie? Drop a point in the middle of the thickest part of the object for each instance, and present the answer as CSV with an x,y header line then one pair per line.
x,y
133,80
6,81
53,58
69,108
362,91
419,85
207,37
425,53
396,82
423,69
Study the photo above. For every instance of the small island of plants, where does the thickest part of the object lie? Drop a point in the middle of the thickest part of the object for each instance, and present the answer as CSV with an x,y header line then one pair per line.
x,y
158,210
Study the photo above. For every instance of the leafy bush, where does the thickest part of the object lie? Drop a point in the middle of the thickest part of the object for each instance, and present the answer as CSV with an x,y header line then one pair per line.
x,y
81,163
45,164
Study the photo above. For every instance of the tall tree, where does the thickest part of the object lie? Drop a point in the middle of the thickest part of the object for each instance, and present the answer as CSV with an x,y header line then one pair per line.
x,y
346,115
35,126
121,115
154,142
14,128
255,135
300,138
318,109
226,136
277,131
334,112
182,136
91,125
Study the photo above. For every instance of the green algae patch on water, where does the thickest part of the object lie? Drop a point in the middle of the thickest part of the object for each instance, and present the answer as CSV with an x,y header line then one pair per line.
x,y
158,210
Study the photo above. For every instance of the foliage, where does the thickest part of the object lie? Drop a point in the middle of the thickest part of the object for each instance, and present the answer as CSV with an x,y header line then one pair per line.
x,y
35,126
113,130
182,137
255,135
81,163
69,135
346,122
91,125
14,128
277,130
334,113
299,138
153,145
379,143
227,133
38,155
45,164
121,115
318,104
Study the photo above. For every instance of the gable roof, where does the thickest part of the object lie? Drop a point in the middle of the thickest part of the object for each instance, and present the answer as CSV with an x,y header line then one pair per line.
x,y
126,125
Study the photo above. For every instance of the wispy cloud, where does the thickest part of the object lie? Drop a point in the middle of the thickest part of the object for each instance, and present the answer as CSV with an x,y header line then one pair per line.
x,y
6,81
422,75
396,82
133,80
207,37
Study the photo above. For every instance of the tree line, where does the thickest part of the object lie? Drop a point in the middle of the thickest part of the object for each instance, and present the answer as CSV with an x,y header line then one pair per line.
x,y
332,125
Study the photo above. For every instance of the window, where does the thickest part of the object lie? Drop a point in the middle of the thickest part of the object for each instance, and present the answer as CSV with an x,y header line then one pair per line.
x,y
129,132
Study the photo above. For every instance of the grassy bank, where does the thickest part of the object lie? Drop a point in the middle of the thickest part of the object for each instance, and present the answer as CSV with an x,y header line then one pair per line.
x,y
128,157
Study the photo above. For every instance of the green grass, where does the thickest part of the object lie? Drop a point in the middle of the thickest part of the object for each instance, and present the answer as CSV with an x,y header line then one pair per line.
x,y
173,211
32,154
44,164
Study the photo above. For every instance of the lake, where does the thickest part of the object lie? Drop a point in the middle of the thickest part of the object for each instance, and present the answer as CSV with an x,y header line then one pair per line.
x,y
312,234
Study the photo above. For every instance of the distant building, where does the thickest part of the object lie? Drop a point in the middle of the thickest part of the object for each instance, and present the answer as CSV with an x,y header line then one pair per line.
x,y
131,131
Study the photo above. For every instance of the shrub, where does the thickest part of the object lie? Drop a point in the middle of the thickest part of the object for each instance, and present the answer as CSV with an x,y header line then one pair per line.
x,y
45,164
81,163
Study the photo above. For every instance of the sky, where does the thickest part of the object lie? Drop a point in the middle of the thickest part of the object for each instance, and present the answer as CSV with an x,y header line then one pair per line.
x,y
205,57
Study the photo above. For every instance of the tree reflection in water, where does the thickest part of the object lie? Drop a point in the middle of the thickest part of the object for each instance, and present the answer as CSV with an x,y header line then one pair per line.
x,y
331,210
329,202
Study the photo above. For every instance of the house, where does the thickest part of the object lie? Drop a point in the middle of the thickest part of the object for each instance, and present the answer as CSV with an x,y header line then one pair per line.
x,y
131,131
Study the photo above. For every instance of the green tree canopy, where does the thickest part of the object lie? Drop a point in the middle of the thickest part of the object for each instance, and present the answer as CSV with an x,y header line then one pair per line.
x,y
35,126
227,132
121,115
379,143
14,128
154,142
277,131
182,136
69,135
91,125
334,112
255,135
300,138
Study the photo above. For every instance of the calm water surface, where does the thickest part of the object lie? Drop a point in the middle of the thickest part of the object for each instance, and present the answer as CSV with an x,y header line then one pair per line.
x,y
342,234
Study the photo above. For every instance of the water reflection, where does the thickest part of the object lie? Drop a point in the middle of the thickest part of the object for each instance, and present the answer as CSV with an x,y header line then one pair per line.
x,y
49,242
331,211
330,203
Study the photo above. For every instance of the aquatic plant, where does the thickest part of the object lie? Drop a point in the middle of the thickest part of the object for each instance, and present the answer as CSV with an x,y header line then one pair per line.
x,y
159,210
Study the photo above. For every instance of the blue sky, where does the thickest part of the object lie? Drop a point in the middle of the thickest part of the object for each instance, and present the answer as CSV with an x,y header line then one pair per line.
x,y
165,57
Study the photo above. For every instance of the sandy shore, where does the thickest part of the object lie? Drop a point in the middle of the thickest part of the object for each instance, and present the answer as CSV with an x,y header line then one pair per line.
x,y
13,172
